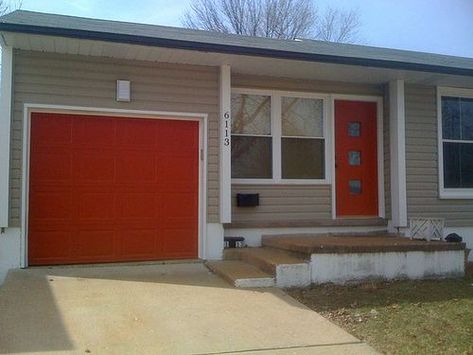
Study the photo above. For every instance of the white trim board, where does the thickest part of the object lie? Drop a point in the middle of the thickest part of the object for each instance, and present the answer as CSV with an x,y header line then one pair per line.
x,y
449,193
5,132
225,145
397,132
199,117
380,147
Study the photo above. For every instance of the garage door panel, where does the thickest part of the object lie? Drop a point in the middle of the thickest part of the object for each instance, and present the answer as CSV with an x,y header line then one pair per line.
x,y
179,241
185,137
48,245
177,168
93,243
138,205
51,166
59,205
50,131
178,185
119,189
178,188
96,206
91,166
124,188
178,147
93,131
133,166
138,242
181,201
144,136
180,223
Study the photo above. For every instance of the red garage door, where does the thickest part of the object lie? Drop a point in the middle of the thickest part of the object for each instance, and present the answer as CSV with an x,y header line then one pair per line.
x,y
106,189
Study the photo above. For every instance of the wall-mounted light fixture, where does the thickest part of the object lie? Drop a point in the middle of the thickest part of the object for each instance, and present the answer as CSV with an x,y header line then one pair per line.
x,y
123,90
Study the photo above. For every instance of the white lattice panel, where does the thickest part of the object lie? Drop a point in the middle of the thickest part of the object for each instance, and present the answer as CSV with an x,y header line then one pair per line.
x,y
426,228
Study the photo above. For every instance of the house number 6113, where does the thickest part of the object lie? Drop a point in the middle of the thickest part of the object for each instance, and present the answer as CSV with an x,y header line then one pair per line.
x,y
226,122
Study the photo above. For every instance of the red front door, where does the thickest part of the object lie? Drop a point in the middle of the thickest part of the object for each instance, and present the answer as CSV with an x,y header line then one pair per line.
x,y
106,189
356,159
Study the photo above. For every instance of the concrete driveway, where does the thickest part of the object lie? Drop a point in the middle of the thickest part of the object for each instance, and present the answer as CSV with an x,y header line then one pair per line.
x,y
156,309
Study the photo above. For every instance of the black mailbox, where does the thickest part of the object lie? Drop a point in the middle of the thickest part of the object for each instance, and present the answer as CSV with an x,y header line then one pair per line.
x,y
247,200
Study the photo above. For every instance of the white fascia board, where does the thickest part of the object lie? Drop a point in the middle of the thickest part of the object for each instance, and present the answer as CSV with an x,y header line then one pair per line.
x,y
397,129
5,127
225,145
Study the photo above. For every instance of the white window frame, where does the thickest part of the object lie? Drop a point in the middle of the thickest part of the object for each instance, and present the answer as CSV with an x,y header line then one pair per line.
x,y
276,134
450,193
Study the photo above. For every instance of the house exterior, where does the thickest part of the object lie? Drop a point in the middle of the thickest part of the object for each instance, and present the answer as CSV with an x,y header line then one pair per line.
x,y
131,142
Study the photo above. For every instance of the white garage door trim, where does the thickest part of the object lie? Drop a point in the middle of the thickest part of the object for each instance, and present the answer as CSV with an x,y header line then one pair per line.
x,y
29,108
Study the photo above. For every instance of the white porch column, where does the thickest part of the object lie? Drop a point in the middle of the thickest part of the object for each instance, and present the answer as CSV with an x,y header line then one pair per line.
x,y
397,129
5,119
225,145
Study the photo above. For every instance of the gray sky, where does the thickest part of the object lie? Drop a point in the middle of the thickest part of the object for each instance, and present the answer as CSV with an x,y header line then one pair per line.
x,y
438,26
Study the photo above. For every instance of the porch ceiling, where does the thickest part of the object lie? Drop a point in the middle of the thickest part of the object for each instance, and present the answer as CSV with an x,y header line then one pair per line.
x,y
244,64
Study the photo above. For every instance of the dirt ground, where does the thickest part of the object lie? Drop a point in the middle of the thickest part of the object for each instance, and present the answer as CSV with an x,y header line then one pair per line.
x,y
401,317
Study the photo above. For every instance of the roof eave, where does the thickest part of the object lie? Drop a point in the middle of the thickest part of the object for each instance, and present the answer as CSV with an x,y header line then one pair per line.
x,y
231,49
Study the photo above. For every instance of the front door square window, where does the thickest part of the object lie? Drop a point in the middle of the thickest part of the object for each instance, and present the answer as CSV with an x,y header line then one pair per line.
x,y
354,129
354,158
355,186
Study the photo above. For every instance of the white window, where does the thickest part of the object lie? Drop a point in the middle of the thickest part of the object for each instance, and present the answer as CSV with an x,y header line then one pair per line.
x,y
251,136
456,143
302,142
279,137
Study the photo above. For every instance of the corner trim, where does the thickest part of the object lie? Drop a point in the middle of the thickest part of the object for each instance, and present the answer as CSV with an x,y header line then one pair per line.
x,y
397,131
5,133
225,145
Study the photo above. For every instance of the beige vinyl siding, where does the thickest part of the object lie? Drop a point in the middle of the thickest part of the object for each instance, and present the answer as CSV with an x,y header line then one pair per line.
x,y
286,84
422,162
55,79
279,203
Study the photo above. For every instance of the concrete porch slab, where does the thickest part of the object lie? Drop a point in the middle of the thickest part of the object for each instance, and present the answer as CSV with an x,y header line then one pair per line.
x,y
342,258
150,309
308,244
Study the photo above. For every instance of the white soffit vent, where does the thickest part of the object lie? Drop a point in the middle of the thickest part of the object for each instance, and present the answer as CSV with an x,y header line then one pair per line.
x,y
123,90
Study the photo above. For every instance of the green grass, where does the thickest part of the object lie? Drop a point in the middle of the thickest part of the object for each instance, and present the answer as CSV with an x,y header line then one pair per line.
x,y
402,317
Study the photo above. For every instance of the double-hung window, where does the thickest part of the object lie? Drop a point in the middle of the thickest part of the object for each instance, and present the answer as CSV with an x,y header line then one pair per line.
x,y
278,137
251,136
456,143
302,142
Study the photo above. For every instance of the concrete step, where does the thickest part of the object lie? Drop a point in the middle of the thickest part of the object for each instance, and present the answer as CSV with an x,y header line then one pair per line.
x,y
268,259
289,269
241,274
